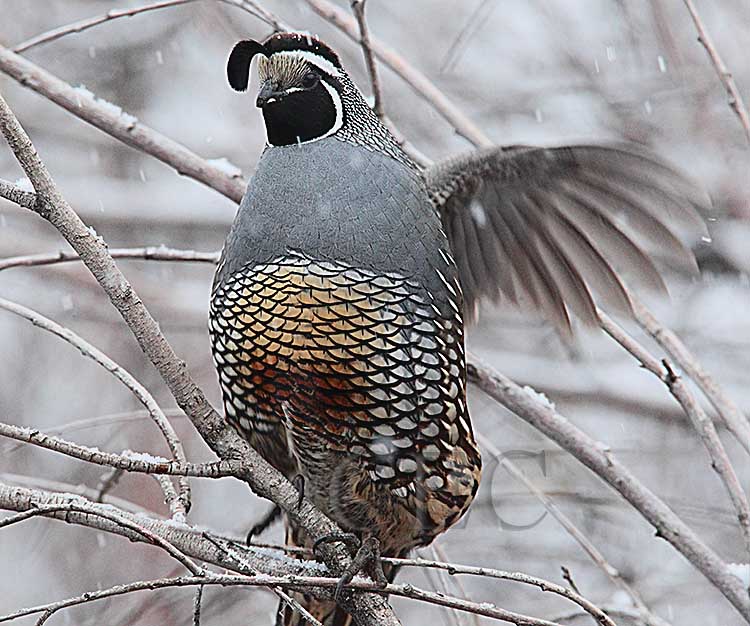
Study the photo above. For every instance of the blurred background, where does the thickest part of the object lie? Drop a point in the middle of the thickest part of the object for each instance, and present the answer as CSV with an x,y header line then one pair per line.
x,y
525,72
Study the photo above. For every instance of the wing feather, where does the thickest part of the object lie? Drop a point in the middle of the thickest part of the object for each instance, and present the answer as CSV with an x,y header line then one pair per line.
x,y
557,228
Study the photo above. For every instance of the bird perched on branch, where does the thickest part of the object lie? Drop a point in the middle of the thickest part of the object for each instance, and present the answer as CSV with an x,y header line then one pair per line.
x,y
338,308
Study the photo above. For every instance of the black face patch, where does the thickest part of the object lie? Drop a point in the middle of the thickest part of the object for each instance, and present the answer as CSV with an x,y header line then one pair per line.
x,y
299,116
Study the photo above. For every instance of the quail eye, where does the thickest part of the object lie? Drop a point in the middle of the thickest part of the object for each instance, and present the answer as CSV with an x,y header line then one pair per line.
x,y
309,80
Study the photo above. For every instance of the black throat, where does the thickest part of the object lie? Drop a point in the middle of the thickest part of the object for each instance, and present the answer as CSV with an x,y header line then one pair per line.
x,y
300,116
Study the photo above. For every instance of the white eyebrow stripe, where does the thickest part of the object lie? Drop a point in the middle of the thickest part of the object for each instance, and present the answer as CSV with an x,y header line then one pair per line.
x,y
315,59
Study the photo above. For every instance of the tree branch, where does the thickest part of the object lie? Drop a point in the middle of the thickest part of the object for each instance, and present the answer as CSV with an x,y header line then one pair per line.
x,y
260,568
120,125
725,76
180,505
735,421
602,462
358,7
113,14
151,253
288,582
701,422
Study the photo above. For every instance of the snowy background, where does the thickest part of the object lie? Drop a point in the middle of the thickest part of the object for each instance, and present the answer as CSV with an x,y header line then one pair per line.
x,y
527,72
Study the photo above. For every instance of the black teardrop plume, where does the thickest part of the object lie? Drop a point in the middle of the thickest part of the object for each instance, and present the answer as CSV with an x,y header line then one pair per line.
x,y
238,65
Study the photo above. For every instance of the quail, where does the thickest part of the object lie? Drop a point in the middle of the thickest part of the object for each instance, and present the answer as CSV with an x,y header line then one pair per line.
x,y
338,307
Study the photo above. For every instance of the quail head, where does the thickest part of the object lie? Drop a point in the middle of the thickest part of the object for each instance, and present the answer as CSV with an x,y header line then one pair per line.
x,y
338,308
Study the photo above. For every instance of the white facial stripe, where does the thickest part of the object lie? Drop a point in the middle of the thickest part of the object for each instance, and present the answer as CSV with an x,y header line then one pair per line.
x,y
312,58
339,109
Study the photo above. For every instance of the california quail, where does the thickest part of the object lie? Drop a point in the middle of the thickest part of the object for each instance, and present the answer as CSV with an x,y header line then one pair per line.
x,y
337,312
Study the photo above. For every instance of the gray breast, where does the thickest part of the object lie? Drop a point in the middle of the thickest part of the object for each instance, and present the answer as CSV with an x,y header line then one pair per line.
x,y
333,200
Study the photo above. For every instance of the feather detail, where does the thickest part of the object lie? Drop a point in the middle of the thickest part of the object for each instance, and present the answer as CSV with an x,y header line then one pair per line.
x,y
558,229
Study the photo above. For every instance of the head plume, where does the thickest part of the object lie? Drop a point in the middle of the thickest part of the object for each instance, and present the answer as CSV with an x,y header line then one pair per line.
x,y
238,65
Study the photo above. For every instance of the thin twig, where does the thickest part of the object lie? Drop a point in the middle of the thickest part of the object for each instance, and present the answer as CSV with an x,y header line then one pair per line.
x,y
445,580
93,422
568,577
485,609
80,505
180,505
108,482
701,422
296,606
735,99
519,577
119,124
197,603
80,26
34,482
229,548
113,14
151,253
130,462
358,7
729,412
613,611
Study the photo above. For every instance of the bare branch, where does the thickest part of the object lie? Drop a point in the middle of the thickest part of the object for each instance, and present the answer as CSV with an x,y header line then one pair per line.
x,y
290,582
113,14
14,193
444,580
260,12
93,422
108,482
131,462
544,585
187,541
702,423
122,126
228,548
178,505
735,99
89,493
151,253
80,505
358,7
735,421
81,25
197,606
602,462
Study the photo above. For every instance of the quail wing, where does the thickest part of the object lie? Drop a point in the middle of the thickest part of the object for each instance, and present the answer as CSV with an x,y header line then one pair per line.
x,y
560,228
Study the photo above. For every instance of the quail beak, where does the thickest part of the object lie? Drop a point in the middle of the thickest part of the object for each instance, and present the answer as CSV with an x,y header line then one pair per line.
x,y
268,94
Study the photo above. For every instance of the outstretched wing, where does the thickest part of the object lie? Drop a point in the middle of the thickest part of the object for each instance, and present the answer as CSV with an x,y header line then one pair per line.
x,y
549,227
